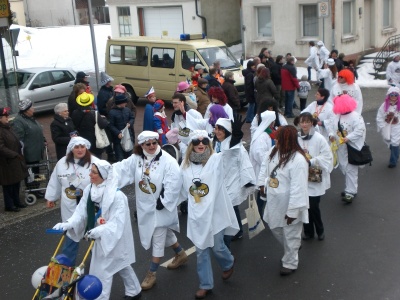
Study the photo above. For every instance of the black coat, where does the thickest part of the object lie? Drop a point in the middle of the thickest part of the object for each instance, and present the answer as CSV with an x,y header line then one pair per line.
x,y
60,133
248,75
231,93
118,118
276,73
105,94
12,163
84,119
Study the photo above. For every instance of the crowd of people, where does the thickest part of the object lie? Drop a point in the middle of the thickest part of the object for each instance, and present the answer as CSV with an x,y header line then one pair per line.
x,y
198,162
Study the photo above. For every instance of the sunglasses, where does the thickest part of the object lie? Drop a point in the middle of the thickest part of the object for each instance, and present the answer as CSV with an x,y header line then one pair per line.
x,y
152,143
393,95
204,141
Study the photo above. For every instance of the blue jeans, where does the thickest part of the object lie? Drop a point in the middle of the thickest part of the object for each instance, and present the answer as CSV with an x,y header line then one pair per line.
x,y
222,255
260,204
289,100
309,73
251,109
120,154
70,249
394,155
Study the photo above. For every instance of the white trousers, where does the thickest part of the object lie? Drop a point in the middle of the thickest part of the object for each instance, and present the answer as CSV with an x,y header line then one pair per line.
x,y
290,237
131,283
350,171
162,237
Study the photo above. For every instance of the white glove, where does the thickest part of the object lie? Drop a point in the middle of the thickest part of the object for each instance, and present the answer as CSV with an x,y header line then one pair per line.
x,y
93,234
62,226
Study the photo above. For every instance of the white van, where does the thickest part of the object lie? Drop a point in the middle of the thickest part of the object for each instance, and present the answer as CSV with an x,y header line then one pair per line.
x,y
139,63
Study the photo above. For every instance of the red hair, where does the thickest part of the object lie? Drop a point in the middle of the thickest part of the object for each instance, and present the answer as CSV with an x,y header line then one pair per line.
x,y
218,93
343,104
348,75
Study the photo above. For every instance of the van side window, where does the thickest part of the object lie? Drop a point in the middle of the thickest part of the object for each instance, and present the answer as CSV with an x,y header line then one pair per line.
x,y
129,55
163,58
189,59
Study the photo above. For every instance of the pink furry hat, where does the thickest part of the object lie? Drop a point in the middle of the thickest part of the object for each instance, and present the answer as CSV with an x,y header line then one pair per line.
x,y
343,104
392,90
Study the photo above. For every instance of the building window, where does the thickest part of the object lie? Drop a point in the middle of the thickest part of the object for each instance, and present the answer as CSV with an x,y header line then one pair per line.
x,y
264,21
310,21
348,18
124,21
387,16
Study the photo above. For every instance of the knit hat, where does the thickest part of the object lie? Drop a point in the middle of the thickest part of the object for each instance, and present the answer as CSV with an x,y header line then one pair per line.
x,y
304,78
81,75
105,78
119,99
24,105
226,123
149,92
331,62
75,141
199,66
119,88
85,99
195,134
172,136
146,136
104,168
4,111
183,85
158,105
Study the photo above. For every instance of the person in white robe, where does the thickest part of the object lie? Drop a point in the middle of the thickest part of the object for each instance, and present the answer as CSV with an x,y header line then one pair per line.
x,y
387,120
393,71
180,114
103,215
210,211
156,177
328,73
322,110
312,60
67,182
283,175
346,85
320,159
261,142
352,130
239,174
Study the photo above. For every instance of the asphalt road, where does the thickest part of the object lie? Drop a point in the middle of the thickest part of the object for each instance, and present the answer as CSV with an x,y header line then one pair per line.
x,y
359,259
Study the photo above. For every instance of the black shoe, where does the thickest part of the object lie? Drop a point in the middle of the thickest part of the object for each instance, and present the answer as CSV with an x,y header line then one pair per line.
x,y
21,205
321,237
391,166
307,237
13,209
285,271
236,237
138,296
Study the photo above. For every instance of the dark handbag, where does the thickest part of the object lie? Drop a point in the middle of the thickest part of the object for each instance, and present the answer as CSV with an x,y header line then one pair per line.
x,y
357,157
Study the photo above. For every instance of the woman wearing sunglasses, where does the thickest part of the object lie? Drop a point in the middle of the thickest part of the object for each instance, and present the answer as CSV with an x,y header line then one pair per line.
x,y
156,177
210,211
387,120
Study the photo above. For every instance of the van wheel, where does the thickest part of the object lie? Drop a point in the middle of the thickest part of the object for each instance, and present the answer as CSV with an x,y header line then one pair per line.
x,y
133,94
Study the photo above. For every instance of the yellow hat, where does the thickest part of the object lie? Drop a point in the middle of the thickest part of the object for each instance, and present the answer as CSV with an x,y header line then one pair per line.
x,y
85,99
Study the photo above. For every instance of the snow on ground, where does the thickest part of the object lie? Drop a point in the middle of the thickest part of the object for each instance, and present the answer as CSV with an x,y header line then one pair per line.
x,y
71,47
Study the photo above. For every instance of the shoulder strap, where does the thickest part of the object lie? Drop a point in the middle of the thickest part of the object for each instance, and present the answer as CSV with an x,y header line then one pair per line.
x,y
340,128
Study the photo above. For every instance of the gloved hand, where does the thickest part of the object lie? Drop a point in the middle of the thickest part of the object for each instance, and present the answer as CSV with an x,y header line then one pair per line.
x,y
62,226
94,233
237,133
159,205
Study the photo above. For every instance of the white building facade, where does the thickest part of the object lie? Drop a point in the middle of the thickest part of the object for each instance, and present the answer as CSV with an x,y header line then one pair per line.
x,y
351,26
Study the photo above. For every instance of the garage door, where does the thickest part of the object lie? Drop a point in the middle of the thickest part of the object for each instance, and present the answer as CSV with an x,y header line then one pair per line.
x,y
159,19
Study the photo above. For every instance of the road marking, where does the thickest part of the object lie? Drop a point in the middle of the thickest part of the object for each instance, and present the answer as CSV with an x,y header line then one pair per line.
x,y
192,249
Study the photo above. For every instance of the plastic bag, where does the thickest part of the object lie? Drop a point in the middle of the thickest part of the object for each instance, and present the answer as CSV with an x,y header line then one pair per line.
x,y
126,141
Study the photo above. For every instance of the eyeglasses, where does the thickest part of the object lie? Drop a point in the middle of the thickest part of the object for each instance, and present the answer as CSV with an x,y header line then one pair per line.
x,y
152,143
204,141
393,95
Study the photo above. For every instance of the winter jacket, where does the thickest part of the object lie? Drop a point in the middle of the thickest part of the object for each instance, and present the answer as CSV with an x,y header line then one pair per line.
x,y
231,93
84,119
289,79
212,81
12,163
118,118
60,134
30,132
248,75
130,105
276,73
72,105
202,100
105,93
265,89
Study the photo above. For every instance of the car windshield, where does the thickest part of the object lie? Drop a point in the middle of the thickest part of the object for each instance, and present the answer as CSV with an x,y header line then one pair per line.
x,y
222,54
19,79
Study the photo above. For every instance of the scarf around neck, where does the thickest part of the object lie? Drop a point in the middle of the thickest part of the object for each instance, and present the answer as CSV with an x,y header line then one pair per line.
x,y
198,158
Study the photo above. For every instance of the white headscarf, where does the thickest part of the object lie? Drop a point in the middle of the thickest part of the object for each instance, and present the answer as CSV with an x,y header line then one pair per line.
x,y
77,141
105,192
226,123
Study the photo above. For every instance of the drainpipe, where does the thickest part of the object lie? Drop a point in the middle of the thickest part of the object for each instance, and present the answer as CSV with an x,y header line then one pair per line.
x,y
201,17
333,6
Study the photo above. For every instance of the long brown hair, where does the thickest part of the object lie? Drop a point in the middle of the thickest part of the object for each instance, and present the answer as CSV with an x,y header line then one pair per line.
x,y
86,159
287,145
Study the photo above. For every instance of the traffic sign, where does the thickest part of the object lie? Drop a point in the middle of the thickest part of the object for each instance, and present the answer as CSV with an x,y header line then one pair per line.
x,y
323,9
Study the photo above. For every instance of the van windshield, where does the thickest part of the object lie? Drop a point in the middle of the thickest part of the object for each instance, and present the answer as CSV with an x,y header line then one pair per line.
x,y
222,54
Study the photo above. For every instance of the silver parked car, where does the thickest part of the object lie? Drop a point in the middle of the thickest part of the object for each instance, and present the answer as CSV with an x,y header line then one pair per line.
x,y
45,87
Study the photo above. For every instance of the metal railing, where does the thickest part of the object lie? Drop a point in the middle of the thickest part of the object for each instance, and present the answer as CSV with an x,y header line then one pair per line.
x,y
384,56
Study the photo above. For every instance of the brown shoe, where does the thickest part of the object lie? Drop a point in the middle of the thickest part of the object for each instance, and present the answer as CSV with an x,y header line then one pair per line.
x,y
227,274
201,294
179,259
149,281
